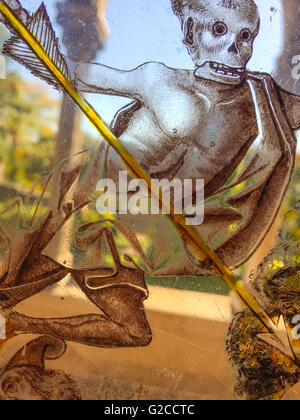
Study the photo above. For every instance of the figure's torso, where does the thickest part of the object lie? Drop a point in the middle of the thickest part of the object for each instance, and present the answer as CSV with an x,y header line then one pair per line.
x,y
188,128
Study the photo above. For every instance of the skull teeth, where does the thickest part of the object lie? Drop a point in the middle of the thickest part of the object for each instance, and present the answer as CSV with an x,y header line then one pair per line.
x,y
225,70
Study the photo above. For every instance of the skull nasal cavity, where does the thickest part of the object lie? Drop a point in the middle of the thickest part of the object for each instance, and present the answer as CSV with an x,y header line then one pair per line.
x,y
233,48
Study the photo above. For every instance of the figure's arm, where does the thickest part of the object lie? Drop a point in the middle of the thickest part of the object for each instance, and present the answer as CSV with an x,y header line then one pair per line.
x,y
291,104
98,78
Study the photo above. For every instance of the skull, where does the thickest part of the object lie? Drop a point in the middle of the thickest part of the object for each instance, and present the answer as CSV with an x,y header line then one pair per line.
x,y
219,35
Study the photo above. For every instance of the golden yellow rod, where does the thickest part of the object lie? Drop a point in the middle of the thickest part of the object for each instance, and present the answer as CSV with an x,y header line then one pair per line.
x,y
188,233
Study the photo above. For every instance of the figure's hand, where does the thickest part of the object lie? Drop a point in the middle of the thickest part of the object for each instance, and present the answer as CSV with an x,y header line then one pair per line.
x,y
71,67
75,70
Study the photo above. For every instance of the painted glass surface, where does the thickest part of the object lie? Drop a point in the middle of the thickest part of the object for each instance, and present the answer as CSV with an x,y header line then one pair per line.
x,y
149,199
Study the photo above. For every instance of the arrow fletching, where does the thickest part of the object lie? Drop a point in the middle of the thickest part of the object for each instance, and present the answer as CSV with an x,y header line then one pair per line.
x,y
18,10
40,26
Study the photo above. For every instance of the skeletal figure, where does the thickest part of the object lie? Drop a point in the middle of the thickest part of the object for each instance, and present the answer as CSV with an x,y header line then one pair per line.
x,y
207,122
218,122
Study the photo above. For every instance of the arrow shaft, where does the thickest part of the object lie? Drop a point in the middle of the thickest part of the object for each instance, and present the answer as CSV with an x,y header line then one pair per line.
x,y
188,233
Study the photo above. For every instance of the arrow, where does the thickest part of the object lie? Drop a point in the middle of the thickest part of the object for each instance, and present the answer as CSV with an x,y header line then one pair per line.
x,y
188,234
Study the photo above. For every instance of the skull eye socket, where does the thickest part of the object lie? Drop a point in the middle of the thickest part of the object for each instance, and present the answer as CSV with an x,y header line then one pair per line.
x,y
220,29
246,35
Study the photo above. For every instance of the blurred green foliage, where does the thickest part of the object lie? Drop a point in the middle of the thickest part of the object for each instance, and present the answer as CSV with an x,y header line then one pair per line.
x,y
28,123
27,130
